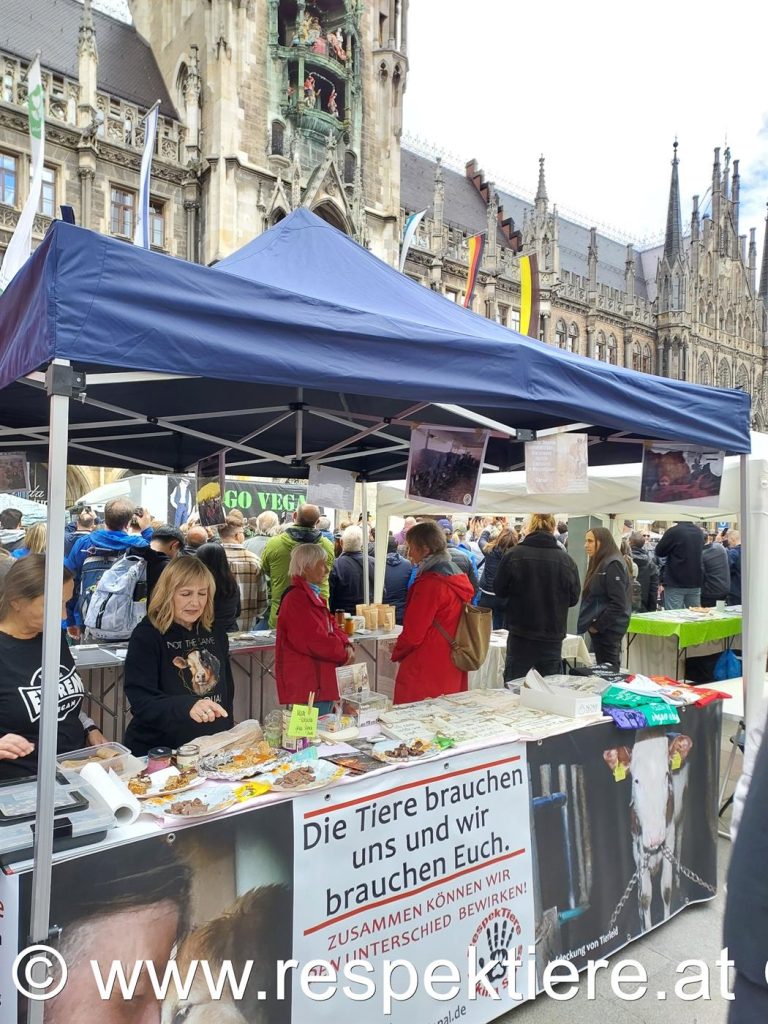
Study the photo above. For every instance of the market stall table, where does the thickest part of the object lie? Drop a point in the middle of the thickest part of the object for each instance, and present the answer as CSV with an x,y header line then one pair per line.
x,y
656,640
530,857
491,673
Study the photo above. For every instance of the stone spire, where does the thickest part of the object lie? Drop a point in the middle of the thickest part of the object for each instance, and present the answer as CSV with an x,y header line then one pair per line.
x,y
752,265
88,63
541,191
735,190
674,236
762,291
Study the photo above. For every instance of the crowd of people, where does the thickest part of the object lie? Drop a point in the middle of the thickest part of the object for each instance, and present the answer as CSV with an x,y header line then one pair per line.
x,y
196,585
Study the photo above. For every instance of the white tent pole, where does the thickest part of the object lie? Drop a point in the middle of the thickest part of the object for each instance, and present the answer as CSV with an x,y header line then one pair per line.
x,y
364,524
382,536
299,422
753,522
59,391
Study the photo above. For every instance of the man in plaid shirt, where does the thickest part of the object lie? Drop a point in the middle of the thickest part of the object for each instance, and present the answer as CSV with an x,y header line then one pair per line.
x,y
247,571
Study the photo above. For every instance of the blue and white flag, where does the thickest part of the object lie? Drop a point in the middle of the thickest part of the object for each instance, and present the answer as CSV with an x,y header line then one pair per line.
x,y
20,245
142,234
409,231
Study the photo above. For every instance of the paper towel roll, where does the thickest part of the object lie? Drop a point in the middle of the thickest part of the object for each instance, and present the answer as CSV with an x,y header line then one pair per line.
x,y
123,804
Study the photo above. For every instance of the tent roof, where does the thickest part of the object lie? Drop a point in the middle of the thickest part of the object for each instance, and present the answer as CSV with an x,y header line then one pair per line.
x,y
613,490
353,341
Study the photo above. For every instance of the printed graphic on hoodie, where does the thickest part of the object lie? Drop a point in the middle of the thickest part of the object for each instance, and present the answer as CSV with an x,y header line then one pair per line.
x,y
71,693
198,669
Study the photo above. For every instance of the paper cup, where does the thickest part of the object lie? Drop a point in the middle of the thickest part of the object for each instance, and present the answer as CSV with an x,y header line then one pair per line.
x,y
720,606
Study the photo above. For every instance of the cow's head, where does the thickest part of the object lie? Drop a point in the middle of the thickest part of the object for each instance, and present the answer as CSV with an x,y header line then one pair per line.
x,y
651,762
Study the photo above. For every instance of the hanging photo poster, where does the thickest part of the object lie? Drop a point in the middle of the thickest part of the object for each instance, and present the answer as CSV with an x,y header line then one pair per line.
x,y
557,465
14,475
210,480
444,466
331,488
678,473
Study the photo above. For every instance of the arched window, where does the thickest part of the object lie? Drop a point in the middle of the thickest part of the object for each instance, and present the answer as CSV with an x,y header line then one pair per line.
x,y
730,322
600,346
742,379
647,359
637,358
702,312
612,355
560,334
350,167
676,295
572,343
705,369
276,217
724,375
278,138
710,315
747,328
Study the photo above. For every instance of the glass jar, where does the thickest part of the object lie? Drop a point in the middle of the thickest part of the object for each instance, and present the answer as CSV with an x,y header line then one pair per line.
x,y
273,728
187,756
158,758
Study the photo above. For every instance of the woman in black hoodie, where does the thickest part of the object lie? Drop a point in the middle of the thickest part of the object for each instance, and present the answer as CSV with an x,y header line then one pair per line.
x,y
606,600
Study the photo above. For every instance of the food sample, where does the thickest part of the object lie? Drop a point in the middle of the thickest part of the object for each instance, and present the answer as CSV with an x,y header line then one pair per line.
x,y
140,785
303,776
184,778
238,763
188,807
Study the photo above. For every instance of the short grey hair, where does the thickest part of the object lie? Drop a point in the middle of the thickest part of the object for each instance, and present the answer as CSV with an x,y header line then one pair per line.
x,y
323,523
306,556
352,539
266,522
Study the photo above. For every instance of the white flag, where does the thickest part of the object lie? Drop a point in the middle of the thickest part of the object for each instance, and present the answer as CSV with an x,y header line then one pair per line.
x,y
411,225
20,245
141,235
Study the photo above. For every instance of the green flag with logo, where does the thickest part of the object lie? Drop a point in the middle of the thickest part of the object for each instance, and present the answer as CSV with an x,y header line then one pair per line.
x,y
20,245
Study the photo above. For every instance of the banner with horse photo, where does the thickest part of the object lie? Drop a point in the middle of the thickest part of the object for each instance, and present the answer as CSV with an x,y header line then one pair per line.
x,y
625,832
444,466
678,473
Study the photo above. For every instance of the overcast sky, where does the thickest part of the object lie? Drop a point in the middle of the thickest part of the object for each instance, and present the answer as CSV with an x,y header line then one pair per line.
x,y
601,90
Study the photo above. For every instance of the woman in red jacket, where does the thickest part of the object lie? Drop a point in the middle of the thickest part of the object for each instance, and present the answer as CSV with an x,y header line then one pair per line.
x,y
438,593
309,643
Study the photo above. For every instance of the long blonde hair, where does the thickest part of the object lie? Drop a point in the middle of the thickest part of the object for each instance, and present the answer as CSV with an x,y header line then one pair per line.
x,y
184,571
36,538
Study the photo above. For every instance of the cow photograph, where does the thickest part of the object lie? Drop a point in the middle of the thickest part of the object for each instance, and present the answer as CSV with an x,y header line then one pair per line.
x,y
199,671
625,827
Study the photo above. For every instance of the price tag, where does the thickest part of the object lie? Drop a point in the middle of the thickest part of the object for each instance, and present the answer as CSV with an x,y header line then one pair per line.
x,y
303,722
619,772
676,760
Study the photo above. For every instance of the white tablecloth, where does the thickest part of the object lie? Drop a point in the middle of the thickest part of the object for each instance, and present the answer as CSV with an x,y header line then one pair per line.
x,y
491,674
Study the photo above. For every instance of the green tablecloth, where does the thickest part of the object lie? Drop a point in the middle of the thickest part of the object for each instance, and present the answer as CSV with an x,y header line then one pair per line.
x,y
688,631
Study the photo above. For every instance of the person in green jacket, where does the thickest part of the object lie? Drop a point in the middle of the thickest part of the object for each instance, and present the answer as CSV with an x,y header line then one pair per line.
x,y
276,555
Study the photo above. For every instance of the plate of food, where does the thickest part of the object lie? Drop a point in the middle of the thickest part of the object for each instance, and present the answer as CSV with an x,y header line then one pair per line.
x,y
296,776
243,763
397,751
197,805
166,783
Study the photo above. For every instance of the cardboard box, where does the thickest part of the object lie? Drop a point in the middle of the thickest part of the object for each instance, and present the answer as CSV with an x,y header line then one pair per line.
x,y
561,702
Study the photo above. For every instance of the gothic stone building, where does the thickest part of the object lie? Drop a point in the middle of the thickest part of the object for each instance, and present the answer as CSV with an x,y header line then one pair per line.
x,y
266,105
691,309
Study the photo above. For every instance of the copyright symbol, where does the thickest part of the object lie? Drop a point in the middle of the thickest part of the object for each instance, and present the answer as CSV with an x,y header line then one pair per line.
x,y
31,987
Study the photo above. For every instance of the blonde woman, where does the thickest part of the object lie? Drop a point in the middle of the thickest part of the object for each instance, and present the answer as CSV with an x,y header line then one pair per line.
x,y
175,670
35,539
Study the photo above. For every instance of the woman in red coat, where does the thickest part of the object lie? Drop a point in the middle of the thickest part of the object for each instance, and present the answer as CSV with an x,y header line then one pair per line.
x,y
309,643
439,592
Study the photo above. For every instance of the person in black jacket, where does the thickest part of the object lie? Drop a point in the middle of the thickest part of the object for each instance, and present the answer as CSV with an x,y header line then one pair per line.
x,y
397,573
346,579
682,546
175,679
495,550
538,581
167,543
606,601
647,572
716,581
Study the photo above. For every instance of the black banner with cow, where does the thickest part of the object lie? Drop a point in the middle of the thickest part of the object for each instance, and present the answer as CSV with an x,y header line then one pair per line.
x,y
625,831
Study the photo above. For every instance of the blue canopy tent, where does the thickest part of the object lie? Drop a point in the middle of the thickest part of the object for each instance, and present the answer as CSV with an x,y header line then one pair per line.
x,y
322,353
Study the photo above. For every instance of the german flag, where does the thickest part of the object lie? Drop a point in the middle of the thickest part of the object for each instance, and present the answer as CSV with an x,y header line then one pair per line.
x,y
475,247
529,295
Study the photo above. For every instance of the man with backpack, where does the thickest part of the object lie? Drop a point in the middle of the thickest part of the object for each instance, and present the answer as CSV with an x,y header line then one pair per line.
x,y
92,555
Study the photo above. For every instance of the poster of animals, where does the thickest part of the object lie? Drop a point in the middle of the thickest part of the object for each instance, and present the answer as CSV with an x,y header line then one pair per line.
x,y
444,466
676,473
14,475
625,831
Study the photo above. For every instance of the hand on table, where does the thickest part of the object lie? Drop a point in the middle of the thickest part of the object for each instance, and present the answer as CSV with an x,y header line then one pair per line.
x,y
13,747
95,737
206,711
